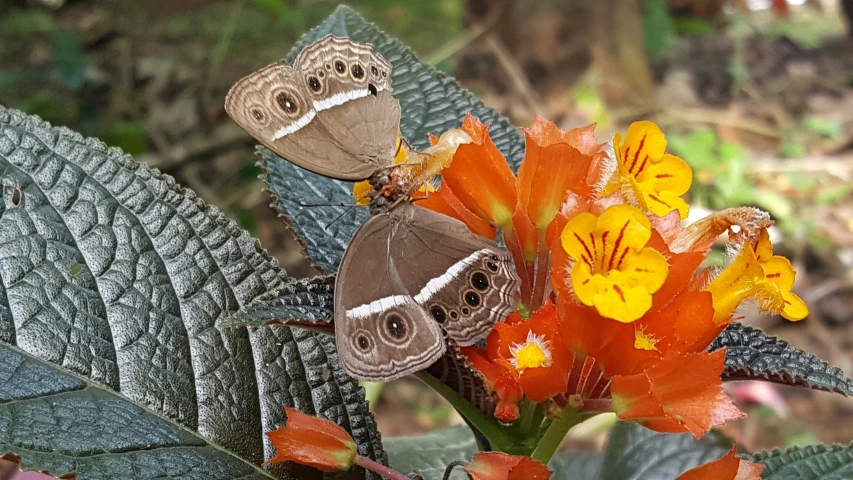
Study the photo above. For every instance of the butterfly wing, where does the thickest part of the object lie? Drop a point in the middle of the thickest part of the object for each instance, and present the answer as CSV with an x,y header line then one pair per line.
x,y
339,121
380,331
464,281
350,86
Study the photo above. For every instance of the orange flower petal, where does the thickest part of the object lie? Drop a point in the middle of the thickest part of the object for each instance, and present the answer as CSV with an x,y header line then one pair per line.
x,y
501,466
685,325
727,467
548,378
681,393
312,441
480,176
549,171
445,202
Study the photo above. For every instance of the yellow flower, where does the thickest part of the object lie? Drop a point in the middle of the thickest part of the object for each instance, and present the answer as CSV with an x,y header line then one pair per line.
x,y
757,273
613,269
650,178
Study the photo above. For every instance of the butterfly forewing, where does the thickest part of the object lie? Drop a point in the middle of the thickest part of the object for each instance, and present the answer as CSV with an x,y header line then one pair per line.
x,y
380,331
332,113
411,256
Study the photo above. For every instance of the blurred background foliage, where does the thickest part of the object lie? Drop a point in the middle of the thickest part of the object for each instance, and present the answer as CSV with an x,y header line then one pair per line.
x,y
757,95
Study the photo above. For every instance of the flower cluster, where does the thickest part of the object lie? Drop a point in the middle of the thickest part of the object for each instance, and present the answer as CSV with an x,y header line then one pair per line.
x,y
616,312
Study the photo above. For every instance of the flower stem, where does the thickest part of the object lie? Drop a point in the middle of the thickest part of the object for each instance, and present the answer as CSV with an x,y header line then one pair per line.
x,y
386,472
550,442
498,439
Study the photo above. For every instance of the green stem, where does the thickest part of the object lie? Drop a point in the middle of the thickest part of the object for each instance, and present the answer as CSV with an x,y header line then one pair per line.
x,y
550,442
498,439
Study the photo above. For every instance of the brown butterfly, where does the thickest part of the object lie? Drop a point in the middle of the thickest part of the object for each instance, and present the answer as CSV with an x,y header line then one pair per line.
x,y
409,275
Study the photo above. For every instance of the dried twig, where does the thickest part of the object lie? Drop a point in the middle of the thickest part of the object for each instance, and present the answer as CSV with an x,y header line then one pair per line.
x,y
513,69
469,35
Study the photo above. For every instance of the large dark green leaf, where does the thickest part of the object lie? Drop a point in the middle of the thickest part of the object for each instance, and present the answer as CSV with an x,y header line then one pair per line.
x,y
635,452
814,462
112,272
752,354
65,423
431,103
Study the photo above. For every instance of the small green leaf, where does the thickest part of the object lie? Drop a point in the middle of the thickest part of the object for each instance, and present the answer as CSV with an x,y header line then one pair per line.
x,y
657,26
68,57
129,136
793,149
26,22
246,218
697,149
777,204
277,7
693,26
832,195
824,128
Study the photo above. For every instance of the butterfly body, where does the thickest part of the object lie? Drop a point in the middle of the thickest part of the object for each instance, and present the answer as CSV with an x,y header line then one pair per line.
x,y
410,276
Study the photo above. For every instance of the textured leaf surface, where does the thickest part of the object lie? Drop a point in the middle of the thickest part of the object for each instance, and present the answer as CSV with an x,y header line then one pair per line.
x,y
431,103
752,354
302,301
814,462
111,271
575,465
634,452
63,423
430,453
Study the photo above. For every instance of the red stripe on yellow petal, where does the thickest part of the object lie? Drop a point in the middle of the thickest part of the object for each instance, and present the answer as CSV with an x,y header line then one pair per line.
x,y
736,283
795,308
444,201
480,176
727,467
681,393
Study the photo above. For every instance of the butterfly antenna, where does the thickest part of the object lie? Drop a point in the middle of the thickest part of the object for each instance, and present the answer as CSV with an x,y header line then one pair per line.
x,y
347,209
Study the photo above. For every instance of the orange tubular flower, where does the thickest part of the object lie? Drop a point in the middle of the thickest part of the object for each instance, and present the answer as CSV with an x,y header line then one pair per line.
x,y
500,466
727,467
553,166
680,394
313,441
444,201
650,178
480,176
534,350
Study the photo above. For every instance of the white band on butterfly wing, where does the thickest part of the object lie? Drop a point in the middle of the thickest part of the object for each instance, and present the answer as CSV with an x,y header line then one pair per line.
x,y
295,126
320,105
431,288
